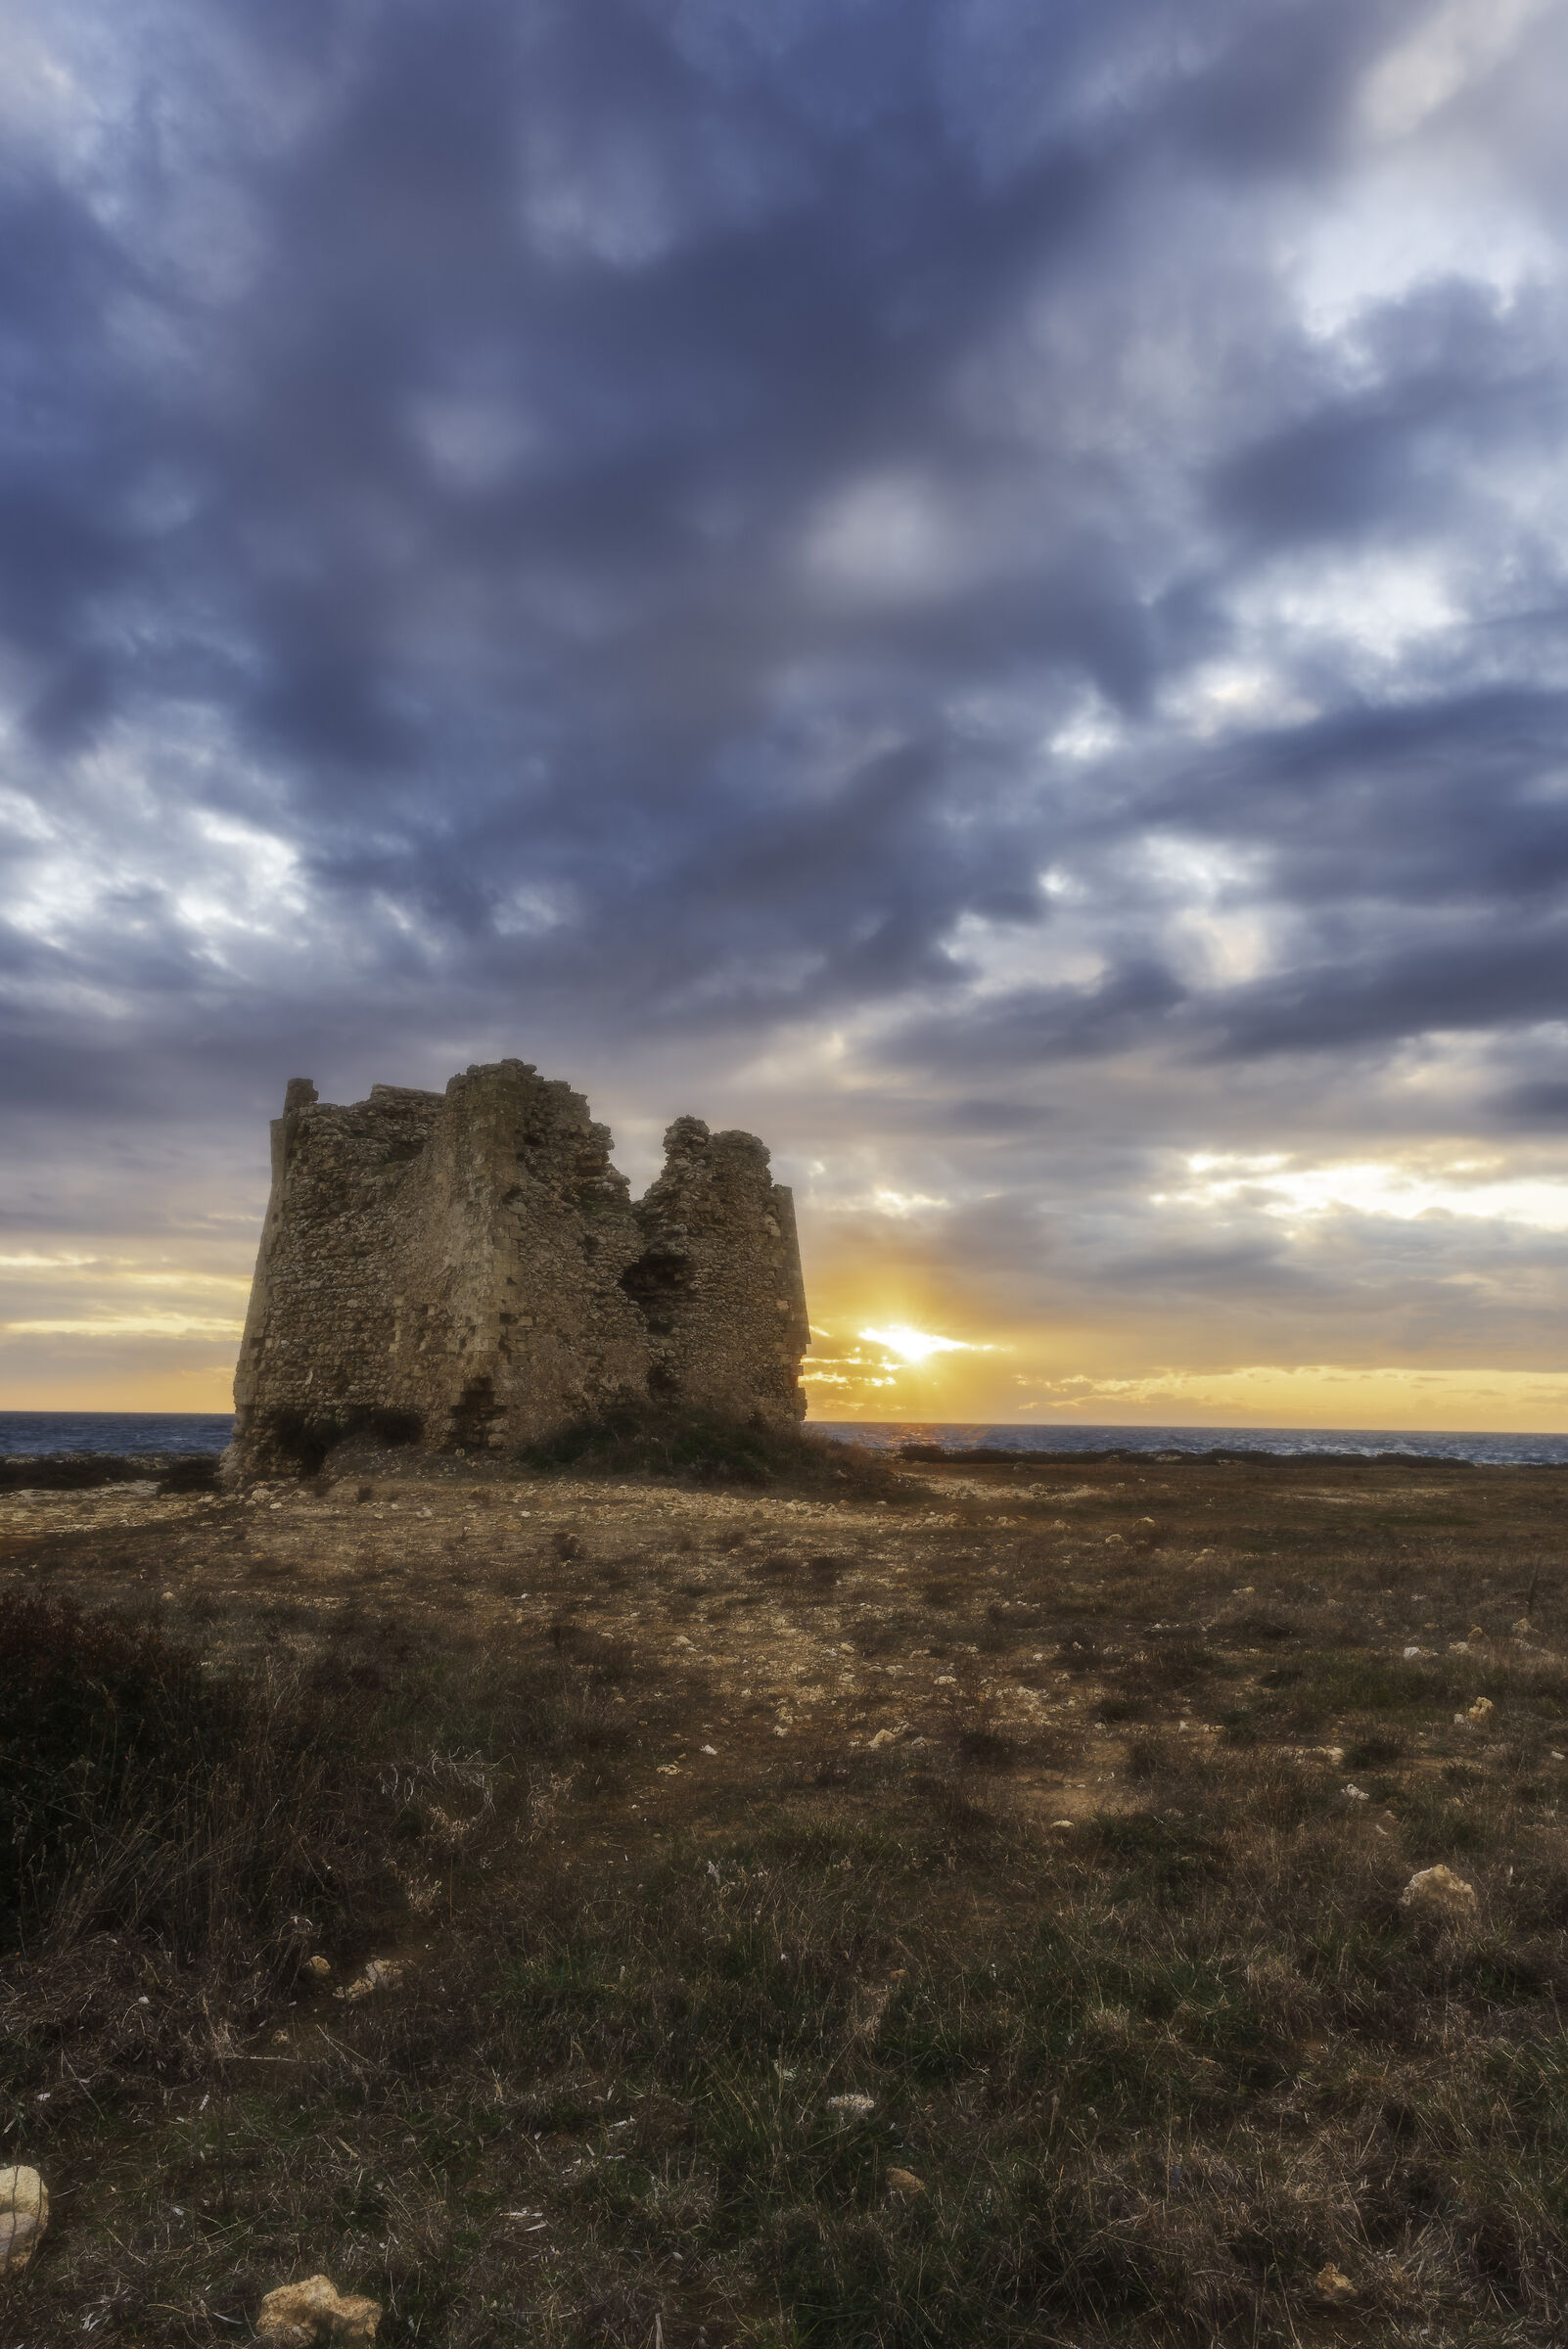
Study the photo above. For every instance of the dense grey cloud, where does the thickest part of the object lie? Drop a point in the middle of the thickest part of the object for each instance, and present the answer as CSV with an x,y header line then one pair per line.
x,y
979,584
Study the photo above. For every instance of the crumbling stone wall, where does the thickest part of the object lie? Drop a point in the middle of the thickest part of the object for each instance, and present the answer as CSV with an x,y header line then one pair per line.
x,y
468,1268
723,1318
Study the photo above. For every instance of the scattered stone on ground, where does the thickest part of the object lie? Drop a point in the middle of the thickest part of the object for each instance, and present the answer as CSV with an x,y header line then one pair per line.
x,y
904,2182
381,1974
24,2216
1438,1892
931,1629
299,2316
1333,2284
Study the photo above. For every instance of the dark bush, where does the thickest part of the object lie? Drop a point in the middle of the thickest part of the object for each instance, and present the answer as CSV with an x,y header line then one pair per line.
x,y
87,1471
196,1472
987,1749
146,1796
1375,1749
704,1447
86,1704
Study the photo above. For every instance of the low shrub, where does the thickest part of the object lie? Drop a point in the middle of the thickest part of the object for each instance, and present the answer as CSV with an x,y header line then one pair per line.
x,y
704,1447
92,1710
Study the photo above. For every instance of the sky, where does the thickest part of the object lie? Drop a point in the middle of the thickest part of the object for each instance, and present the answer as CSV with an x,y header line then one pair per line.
x,y
975,586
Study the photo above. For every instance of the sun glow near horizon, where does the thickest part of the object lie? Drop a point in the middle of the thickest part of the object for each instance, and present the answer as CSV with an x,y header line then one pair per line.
x,y
915,1346
943,1367
133,1327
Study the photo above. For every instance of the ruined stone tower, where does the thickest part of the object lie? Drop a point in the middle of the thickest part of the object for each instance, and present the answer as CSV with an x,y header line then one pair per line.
x,y
468,1269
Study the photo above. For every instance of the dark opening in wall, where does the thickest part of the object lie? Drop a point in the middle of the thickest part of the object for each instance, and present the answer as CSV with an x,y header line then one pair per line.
x,y
302,1444
389,1427
299,1442
476,1414
657,1282
663,1272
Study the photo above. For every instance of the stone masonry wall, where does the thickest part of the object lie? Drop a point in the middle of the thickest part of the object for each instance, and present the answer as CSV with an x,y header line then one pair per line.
x,y
719,1279
469,1270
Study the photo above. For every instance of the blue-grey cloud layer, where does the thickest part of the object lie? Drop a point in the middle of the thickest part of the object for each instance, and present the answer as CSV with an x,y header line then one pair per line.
x,y
1027,538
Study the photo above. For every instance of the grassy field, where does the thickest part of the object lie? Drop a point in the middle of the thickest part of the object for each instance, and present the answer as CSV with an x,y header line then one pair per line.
x,y
571,1908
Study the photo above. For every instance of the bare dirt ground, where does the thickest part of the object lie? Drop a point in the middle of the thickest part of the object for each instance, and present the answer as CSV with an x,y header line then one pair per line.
x,y
1076,1801
803,1622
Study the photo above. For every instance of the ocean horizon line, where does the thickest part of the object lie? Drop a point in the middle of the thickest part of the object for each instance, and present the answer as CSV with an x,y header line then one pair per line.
x,y
1023,1426
32,1433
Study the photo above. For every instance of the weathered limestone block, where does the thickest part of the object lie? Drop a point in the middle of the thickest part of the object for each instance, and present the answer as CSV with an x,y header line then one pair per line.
x,y
469,1270
299,2316
1437,1892
24,2216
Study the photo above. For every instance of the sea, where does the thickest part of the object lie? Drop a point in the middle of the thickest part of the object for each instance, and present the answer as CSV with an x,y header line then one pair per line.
x,y
1283,1443
130,1432
121,1432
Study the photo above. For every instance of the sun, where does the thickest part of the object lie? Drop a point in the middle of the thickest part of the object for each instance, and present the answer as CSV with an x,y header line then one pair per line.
x,y
915,1345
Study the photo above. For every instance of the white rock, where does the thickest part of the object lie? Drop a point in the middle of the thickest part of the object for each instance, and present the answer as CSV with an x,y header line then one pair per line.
x,y
382,1973
24,2216
1438,1892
